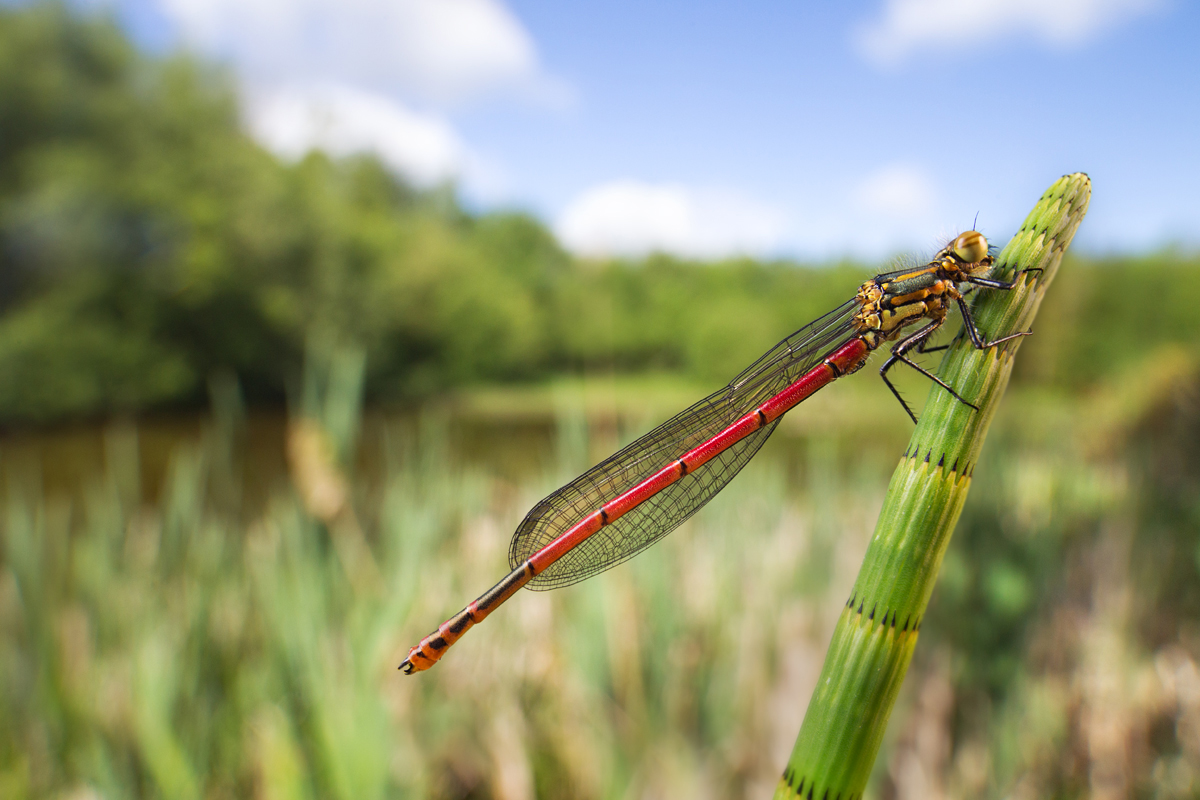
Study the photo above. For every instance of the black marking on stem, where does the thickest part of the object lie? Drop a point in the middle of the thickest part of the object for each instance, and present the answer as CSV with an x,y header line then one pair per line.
x,y
955,467
860,607
942,460
905,628
872,616
927,456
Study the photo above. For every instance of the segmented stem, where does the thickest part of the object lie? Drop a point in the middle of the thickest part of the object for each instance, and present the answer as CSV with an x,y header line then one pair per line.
x,y
877,632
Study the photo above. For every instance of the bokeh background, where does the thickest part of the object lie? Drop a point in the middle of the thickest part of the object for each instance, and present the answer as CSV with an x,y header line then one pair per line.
x,y
303,305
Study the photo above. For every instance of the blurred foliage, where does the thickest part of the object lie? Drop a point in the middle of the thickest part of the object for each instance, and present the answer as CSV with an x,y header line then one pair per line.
x,y
190,643
146,242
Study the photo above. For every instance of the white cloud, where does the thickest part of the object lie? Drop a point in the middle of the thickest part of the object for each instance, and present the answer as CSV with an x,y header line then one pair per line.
x,y
907,26
627,217
895,208
441,51
342,120
897,192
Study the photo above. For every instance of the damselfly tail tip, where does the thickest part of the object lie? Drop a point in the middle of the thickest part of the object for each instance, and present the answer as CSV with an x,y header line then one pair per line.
x,y
416,661
408,666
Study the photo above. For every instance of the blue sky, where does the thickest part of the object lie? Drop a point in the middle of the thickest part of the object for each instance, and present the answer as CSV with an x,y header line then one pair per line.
x,y
775,128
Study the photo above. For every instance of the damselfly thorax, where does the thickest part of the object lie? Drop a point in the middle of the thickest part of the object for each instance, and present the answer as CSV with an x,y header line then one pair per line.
x,y
892,301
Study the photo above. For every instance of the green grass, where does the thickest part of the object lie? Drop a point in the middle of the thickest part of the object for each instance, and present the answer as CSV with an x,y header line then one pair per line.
x,y
177,648
184,641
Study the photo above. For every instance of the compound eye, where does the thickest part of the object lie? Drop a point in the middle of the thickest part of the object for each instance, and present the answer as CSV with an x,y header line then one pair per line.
x,y
971,247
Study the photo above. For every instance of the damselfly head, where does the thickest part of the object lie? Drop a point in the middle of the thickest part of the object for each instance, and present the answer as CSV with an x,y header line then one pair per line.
x,y
970,247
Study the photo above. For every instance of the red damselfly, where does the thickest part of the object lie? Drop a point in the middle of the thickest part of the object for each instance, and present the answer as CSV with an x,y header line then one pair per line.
x,y
648,488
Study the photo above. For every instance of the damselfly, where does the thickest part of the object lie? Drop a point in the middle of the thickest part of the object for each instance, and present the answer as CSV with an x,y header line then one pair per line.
x,y
648,488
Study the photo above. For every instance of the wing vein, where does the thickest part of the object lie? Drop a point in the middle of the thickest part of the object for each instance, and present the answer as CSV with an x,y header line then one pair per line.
x,y
660,514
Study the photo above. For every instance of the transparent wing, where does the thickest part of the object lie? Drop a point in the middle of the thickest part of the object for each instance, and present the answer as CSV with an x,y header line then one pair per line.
x,y
660,514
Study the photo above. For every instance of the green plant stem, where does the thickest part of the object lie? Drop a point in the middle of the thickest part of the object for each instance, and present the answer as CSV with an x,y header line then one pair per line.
x,y
877,632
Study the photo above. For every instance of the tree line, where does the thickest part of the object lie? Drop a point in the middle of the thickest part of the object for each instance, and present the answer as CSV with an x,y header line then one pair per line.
x,y
147,241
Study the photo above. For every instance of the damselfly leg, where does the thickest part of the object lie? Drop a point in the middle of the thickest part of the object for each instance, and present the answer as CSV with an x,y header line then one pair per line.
x,y
902,347
920,338
991,283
